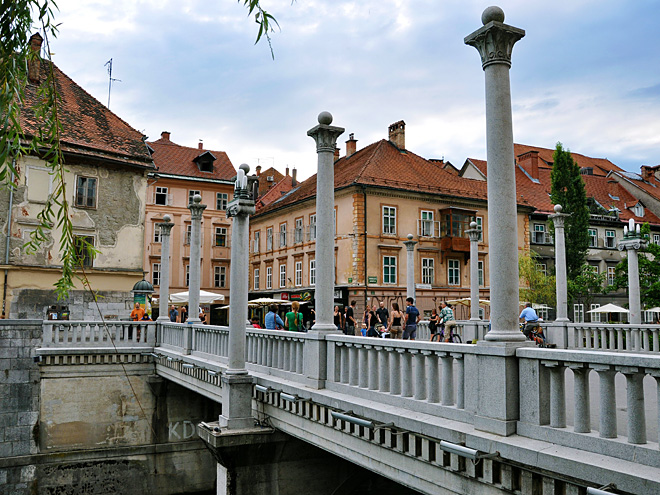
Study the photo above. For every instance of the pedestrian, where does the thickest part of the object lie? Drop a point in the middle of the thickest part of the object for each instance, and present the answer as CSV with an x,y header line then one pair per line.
x,y
531,320
174,314
383,315
396,332
183,316
337,318
412,317
447,320
351,325
434,325
137,313
293,319
202,316
273,320
255,322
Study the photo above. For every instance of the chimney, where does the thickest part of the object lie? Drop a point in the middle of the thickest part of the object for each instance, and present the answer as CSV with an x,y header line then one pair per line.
x,y
613,188
287,171
258,170
165,135
647,172
351,145
200,145
336,153
294,181
34,65
398,134
530,162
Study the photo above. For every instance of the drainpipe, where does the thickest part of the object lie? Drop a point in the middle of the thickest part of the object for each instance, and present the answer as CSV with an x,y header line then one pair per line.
x,y
11,205
366,277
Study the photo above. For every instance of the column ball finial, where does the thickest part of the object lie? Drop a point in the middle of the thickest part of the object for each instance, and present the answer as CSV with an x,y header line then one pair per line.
x,y
245,168
492,13
473,225
558,208
325,118
410,236
197,199
167,218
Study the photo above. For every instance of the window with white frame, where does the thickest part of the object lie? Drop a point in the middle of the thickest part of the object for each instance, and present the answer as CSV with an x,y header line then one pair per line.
x,y
480,226
428,268
298,277
269,239
542,313
269,277
155,273
610,239
298,232
188,234
656,238
220,276
426,224
595,317
191,195
256,279
256,245
539,234
543,268
389,220
282,275
453,272
480,272
389,269
157,234
221,200
282,235
312,272
86,192
578,313
593,238
638,210
221,236
312,227
611,274
187,275
160,196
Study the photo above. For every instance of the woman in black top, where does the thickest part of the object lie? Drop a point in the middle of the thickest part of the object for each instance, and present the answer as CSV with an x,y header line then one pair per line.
x,y
338,320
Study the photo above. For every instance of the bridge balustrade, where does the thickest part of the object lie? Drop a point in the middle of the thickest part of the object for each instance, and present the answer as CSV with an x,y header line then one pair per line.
x,y
69,333
620,337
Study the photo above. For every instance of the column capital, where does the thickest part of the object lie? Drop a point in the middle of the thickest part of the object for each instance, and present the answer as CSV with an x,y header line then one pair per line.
x,y
632,244
240,207
325,134
196,208
558,217
410,244
166,225
494,41
473,234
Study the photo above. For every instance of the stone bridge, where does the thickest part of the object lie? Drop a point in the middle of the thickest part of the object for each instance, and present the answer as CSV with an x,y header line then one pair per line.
x,y
434,417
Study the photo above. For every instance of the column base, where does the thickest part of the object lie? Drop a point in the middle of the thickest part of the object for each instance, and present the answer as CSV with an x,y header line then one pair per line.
x,y
505,336
324,327
163,319
236,402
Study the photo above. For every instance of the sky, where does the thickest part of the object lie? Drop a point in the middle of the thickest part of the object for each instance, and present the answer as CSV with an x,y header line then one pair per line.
x,y
587,74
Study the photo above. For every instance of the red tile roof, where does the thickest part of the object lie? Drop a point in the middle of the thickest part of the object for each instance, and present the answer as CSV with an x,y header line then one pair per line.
x,y
88,127
171,158
601,166
275,192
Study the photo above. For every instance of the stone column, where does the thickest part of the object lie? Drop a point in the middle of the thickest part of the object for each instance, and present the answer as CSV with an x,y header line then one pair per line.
x,y
633,242
560,264
196,212
495,41
164,294
474,233
236,400
410,267
325,136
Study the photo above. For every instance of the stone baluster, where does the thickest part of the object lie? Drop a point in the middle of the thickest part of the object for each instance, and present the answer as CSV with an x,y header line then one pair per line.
x,y
607,402
447,379
557,394
635,402
345,366
383,371
460,381
286,348
373,352
420,375
354,364
406,373
363,360
395,370
656,374
433,393
582,422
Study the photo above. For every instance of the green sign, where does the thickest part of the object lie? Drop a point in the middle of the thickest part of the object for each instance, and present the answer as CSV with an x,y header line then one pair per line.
x,y
350,280
372,280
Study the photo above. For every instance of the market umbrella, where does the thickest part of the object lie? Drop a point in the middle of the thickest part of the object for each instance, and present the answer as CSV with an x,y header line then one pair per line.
x,y
466,301
204,297
654,310
609,308
266,301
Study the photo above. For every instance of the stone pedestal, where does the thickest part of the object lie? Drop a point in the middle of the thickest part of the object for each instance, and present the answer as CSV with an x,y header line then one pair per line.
x,y
495,41
196,212
164,292
410,266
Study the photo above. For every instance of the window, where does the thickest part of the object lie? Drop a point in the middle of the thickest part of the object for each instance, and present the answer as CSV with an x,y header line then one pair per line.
x,y
638,210
611,273
269,277
221,201
542,313
269,239
83,249
426,224
187,275
427,271
312,227
312,272
257,241
578,313
256,279
298,273
188,234
282,275
86,192
389,220
480,226
160,196
656,238
282,235
543,268
595,317
454,272
191,195
540,236
155,273
610,239
480,272
298,232
221,236
593,238
157,234
220,276
389,269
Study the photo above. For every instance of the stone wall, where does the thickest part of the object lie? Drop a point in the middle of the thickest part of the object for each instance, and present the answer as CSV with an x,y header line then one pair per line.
x,y
33,303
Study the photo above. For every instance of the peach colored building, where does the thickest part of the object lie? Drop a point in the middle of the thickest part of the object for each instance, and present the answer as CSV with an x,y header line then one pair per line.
x,y
383,192
181,173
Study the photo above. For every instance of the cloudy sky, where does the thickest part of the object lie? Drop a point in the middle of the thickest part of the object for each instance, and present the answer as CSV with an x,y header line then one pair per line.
x,y
587,74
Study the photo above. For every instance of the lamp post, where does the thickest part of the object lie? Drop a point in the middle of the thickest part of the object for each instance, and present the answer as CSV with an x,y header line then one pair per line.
x,y
474,234
410,267
164,293
632,242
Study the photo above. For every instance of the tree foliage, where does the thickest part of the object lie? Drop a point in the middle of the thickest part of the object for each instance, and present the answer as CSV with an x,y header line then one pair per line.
x,y
586,285
568,191
535,286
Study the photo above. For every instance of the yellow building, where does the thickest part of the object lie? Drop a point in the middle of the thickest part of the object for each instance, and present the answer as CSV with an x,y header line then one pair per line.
x,y
382,193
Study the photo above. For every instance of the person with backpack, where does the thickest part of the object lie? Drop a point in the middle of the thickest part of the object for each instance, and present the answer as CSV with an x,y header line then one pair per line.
x,y
293,319
412,318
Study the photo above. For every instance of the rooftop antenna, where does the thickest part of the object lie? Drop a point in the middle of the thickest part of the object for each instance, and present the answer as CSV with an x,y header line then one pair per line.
x,y
110,79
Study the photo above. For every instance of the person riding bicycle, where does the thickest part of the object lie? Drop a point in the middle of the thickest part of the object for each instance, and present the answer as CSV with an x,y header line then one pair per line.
x,y
531,320
447,319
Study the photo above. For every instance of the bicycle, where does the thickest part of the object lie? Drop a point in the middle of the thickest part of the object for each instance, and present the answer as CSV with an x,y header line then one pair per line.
x,y
454,338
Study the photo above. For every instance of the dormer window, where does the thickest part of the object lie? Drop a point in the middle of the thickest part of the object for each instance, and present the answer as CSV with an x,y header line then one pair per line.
x,y
638,210
205,161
